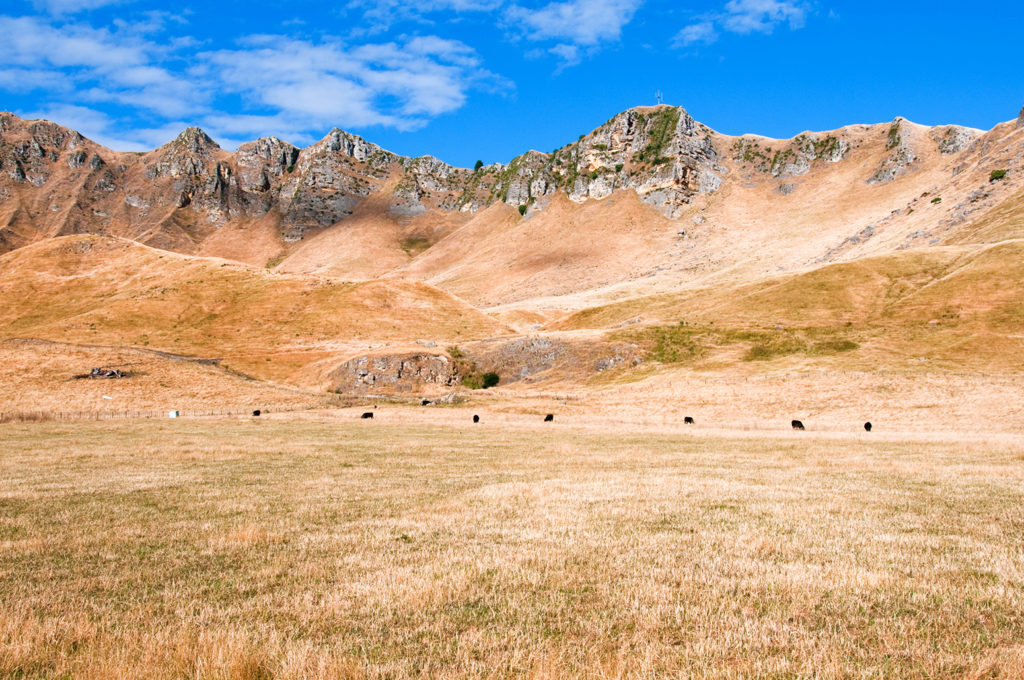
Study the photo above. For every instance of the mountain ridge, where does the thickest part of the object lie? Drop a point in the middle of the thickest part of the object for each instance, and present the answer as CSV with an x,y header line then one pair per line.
x,y
346,207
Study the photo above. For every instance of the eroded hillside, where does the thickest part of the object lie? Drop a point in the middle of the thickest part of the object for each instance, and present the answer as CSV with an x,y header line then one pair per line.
x,y
652,241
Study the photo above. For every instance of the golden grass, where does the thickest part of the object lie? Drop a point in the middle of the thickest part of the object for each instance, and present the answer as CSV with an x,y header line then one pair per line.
x,y
37,379
336,548
90,289
959,306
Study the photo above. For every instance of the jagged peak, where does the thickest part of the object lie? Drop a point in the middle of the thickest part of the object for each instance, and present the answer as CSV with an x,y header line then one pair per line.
x,y
195,139
272,142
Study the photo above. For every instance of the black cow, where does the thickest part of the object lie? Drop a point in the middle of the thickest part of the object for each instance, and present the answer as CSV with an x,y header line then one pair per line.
x,y
687,420
476,419
549,417
867,426
256,413
368,414
797,425
426,402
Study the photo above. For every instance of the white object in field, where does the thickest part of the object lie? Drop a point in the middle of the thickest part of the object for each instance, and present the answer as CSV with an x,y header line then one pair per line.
x,y
172,414
106,397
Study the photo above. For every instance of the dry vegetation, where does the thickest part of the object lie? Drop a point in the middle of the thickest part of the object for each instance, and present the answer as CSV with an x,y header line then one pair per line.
x,y
329,547
38,381
75,289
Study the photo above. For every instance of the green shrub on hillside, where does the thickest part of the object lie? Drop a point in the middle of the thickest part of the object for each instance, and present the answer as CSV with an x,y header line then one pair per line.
x,y
663,126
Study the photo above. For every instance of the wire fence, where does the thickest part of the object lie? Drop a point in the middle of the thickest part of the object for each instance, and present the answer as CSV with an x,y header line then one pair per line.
x,y
50,416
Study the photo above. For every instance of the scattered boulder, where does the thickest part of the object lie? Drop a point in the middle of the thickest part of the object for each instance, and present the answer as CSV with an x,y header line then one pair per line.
x,y
104,374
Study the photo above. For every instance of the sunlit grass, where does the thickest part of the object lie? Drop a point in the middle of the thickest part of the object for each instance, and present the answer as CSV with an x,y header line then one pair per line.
x,y
336,548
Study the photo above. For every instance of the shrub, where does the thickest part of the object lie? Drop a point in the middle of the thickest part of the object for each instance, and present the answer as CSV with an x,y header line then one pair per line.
x,y
618,167
522,210
455,353
937,199
479,164
661,132
997,175
480,381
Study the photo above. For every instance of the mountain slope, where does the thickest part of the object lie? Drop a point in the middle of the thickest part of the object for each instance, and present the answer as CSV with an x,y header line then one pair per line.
x,y
100,290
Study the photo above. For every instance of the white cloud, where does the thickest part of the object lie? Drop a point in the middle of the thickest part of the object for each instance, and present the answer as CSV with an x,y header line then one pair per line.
x,y
577,22
382,14
400,85
105,80
569,54
102,65
762,16
743,17
72,6
702,32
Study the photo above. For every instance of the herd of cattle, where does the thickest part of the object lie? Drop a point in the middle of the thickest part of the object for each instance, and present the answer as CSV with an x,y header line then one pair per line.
x,y
688,420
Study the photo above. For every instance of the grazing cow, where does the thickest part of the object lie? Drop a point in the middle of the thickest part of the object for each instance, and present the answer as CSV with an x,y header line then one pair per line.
x,y
368,414
797,425
426,402
549,418
476,419
867,426
687,420
256,413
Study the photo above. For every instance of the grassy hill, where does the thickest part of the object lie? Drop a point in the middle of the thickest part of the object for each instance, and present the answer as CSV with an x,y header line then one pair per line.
x,y
98,290
958,305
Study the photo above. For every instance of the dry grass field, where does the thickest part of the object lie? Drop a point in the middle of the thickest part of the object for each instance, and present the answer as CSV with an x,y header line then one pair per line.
x,y
322,546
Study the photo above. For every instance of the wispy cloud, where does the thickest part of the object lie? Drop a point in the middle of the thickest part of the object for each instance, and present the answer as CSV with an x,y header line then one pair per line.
x,y
743,17
100,65
575,25
313,85
137,73
59,7
381,15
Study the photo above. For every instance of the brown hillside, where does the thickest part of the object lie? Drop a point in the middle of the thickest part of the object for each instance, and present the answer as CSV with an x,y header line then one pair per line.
x,y
89,289
38,377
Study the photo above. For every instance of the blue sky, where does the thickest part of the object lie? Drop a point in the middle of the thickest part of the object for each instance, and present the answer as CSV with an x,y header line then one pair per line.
x,y
488,79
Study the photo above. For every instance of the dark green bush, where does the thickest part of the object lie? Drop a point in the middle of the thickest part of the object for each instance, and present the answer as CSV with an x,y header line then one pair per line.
x,y
996,175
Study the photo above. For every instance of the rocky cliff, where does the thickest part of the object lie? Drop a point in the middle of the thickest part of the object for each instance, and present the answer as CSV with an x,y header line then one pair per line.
x,y
54,181
190,193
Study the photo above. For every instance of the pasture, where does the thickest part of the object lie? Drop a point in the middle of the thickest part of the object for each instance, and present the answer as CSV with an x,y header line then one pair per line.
x,y
325,546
